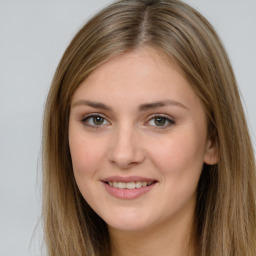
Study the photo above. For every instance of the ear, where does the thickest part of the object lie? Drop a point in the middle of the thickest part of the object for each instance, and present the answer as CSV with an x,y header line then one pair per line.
x,y
211,156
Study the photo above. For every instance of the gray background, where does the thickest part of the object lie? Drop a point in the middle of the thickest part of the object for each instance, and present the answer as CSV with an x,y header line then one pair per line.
x,y
33,37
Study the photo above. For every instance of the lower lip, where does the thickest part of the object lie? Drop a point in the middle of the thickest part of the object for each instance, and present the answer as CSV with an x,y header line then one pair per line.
x,y
128,193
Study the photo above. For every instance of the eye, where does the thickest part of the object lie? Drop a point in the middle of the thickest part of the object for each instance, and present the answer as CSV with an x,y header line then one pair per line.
x,y
95,121
160,121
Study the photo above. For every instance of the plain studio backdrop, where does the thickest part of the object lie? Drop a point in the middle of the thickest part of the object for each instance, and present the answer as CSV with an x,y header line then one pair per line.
x,y
33,37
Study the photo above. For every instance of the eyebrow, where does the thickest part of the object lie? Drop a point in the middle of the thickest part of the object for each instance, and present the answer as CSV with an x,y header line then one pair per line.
x,y
158,104
142,107
93,104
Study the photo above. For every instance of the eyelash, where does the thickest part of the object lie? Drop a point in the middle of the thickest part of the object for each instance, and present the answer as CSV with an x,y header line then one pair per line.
x,y
86,119
167,119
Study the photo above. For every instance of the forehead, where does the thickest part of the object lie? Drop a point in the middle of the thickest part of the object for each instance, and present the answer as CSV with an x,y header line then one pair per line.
x,y
141,75
137,63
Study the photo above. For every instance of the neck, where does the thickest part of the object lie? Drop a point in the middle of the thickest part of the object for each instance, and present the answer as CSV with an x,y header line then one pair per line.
x,y
172,238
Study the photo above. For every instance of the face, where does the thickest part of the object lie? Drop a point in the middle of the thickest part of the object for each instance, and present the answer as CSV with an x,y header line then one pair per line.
x,y
138,141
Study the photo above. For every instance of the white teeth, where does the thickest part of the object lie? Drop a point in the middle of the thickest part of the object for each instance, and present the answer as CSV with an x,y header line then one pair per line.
x,y
121,185
144,184
138,184
129,185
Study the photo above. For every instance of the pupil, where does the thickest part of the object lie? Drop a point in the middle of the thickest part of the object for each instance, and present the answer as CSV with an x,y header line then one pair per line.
x,y
160,121
98,120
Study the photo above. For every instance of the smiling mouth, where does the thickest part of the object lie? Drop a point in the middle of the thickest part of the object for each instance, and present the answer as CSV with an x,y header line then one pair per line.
x,y
128,188
130,185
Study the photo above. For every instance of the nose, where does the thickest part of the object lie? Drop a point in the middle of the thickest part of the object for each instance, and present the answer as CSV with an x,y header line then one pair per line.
x,y
126,148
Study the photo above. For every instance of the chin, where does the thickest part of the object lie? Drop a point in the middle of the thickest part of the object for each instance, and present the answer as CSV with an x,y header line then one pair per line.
x,y
128,227
129,222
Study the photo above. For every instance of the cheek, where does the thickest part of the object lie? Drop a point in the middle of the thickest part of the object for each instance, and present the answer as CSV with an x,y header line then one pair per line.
x,y
86,154
86,158
179,155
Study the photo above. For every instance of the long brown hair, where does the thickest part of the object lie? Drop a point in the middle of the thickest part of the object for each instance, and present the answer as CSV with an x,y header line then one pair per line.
x,y
225,218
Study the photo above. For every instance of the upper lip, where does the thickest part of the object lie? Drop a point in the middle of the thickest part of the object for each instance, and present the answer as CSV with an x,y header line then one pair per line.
x,y
127,179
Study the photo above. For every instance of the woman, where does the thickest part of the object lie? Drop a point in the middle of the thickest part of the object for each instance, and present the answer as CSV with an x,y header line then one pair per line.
x,y
146,148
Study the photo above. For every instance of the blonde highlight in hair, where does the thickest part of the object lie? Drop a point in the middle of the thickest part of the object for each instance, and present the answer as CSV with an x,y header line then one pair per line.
x,y
225,217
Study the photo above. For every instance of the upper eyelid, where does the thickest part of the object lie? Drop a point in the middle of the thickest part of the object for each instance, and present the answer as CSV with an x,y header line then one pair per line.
x,y
85,118
161,115
166,126
94,114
